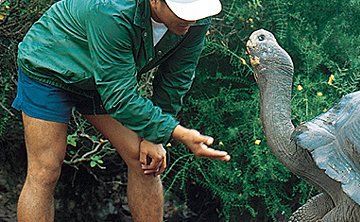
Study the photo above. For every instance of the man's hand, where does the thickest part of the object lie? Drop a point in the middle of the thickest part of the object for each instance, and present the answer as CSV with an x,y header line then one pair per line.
x,y
157,153
198,144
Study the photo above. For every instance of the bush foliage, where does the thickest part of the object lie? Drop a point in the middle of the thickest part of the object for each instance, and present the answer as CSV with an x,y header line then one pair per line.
x,y
322,37
323,40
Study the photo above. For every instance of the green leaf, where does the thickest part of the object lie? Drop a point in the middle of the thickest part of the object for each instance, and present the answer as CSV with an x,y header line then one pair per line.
x,y
71,140
100,161
95,158
93,163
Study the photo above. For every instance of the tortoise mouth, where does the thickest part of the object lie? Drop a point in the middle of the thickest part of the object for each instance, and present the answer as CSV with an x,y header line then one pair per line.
x,y
254,60
250,51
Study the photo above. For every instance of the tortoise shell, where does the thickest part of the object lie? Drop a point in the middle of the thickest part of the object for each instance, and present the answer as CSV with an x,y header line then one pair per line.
x,y
333,139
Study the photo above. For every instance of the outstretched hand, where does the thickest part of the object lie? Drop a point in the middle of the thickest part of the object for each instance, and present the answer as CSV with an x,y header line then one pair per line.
x,y
199,144
153,156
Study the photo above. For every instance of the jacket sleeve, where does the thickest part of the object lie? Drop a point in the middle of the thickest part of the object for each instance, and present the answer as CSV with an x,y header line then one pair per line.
x,y
176,74
115,76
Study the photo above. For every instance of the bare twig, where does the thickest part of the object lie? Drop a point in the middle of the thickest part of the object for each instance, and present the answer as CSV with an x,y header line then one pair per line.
x,y
7,110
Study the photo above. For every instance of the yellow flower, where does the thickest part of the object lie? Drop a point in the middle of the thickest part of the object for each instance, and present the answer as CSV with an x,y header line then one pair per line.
x,y
2,17
243,61
319,94
257,142
251,20
168,145
299,87
254,60
325,110
331,79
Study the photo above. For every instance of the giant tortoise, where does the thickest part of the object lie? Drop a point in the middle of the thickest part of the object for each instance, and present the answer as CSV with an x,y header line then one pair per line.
x,y
324,151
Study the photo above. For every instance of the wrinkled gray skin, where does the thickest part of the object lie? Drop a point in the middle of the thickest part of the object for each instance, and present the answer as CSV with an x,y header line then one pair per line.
x,y
273,71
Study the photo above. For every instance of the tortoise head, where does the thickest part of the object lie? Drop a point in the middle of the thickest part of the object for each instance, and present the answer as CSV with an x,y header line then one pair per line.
x,y
266,56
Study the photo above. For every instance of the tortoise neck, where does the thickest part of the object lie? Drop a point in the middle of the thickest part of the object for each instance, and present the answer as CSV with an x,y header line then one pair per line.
x,y
275,96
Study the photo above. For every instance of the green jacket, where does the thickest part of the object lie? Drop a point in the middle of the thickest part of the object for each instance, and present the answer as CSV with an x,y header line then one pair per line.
x,y
103,45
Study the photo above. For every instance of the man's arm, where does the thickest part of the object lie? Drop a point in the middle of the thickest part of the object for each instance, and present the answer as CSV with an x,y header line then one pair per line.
x,y
175,76
173,80
115,77
108,34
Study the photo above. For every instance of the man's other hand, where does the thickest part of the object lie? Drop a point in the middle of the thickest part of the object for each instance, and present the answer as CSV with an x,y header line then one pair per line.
x,y
199,144
157,156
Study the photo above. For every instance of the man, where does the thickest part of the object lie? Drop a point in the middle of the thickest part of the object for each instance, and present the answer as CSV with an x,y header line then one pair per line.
x,y
87,55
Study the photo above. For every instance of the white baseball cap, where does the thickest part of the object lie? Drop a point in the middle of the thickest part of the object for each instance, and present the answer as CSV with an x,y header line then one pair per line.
x,y
192,10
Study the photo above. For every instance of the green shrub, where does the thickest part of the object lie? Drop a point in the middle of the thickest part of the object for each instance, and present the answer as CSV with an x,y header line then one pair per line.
x,y
323,43
323,39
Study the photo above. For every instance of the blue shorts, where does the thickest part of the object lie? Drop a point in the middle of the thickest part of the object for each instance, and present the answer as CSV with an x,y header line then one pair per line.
x,y
46,102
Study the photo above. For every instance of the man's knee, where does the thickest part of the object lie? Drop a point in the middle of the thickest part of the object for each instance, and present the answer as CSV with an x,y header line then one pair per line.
x,y
130,153
44,175
46,147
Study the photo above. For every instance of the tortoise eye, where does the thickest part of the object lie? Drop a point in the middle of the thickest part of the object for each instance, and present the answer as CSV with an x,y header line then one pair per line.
x,y
261,37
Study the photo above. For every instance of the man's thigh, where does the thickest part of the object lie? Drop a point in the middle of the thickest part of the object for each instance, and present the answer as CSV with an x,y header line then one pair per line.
x,y
126,141
45,143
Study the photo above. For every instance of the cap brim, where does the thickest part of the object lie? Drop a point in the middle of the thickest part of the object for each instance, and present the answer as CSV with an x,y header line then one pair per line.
x,y
194,10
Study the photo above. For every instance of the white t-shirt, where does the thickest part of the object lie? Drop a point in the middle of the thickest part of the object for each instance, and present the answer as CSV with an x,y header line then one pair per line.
x,y
159,30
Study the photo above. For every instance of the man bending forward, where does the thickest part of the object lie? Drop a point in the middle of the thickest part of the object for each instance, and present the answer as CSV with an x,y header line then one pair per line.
x,y
88,55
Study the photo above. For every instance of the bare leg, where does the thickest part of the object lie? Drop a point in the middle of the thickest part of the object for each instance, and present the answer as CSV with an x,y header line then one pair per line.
x,y
314,209
145,193
45,145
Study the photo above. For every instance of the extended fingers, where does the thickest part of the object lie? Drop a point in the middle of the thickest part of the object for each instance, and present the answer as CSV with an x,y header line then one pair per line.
x,y
205,151
208,140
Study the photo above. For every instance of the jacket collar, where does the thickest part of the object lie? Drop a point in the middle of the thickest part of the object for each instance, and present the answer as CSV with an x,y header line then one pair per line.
x,y
142,13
